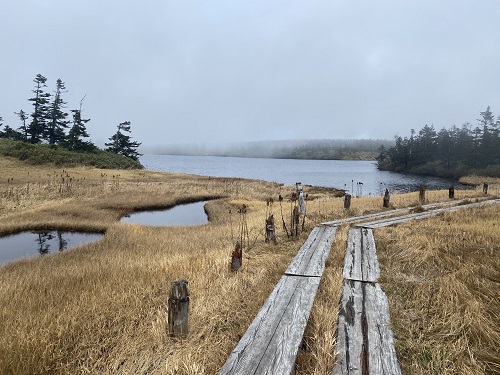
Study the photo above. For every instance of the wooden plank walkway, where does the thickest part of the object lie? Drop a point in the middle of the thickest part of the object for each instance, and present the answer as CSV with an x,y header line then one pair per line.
x,y
310,260
423,215
271,342
398,212
361,263
364,340
365,343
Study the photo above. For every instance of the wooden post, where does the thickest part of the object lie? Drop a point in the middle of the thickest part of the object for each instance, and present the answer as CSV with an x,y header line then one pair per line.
x,y
451,192
347,201
485,188
295,221
300,196
421,196
387,198
236,257
178,308
270,234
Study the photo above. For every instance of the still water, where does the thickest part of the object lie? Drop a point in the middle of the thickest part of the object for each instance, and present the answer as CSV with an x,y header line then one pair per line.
x,y
358,177
27,244
185,214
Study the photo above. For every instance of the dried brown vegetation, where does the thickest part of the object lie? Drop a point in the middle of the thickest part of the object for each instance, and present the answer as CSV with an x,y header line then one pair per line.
x,y
102,308
442,278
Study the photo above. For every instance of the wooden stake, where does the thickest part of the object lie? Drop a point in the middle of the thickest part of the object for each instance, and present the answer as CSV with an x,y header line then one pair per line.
x,y
236,257
485,188
347,201
387,198
421,196
270,233
178,308
451,192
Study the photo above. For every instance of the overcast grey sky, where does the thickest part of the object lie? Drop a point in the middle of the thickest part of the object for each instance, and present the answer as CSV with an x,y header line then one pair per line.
x,y
245,70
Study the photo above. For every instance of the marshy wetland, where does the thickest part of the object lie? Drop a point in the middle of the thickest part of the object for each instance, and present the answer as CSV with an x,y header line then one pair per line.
x,y
102,308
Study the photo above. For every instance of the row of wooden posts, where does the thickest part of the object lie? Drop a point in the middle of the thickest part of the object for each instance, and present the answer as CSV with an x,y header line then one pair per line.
x,y
421,196
178,300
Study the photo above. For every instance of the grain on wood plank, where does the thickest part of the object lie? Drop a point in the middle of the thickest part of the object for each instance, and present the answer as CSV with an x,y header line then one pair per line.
x,y
280,355
310,259
361,261
273,338
349,330
383,358
421,215
365,343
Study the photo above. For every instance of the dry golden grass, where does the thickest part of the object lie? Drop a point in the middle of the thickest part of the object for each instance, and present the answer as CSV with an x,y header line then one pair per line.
x,y
442,278
102,308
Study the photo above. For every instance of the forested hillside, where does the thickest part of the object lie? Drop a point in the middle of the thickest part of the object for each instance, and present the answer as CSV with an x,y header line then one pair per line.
x,y
452,152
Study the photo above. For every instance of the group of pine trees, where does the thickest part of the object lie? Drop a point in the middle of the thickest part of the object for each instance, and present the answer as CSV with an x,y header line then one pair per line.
x,y
50,124
448,152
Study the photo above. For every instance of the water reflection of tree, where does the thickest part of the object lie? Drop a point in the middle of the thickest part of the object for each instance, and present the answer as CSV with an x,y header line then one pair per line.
x,y
63,244
42,239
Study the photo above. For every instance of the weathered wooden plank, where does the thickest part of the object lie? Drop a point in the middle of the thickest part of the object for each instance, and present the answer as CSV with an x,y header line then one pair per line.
x,y
310,259
365,343
361,262
271,342
421,215
280,355
390,213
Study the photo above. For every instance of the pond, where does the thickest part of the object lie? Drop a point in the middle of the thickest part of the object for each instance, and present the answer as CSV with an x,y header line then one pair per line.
x,y
181,215
28,244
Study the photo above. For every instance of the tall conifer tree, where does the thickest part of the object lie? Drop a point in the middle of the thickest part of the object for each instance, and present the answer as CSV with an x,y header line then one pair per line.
x,y
40,101
57,123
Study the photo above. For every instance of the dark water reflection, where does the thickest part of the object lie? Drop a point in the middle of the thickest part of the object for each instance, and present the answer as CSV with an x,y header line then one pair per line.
x,y
27,244
185,214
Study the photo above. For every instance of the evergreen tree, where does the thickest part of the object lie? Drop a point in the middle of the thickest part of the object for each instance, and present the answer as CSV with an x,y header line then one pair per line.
x,y
8,132
39,116
77,132
23,129
40,102
57,123
122,143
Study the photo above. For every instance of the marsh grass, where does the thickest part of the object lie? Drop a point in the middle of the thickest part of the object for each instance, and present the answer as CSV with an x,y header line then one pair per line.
x,y
442,278
102,307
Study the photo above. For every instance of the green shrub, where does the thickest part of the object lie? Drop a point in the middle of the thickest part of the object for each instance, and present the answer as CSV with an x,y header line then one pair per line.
x,y
62,157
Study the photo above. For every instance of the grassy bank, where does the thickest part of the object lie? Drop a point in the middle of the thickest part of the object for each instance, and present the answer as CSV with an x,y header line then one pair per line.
x,y
102,308
442,278
58,156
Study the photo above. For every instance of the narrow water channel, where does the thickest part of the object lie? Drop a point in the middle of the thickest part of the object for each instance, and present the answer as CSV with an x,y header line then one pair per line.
x,y
182,215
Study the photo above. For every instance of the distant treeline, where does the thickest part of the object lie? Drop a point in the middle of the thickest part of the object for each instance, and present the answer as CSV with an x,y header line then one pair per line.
x,y
326,149
452,152
334,149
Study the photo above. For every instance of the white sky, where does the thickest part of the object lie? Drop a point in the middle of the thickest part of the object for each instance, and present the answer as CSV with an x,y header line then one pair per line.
x,y
203,71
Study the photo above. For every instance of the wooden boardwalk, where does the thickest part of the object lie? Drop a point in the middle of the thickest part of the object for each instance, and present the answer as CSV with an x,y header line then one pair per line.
x,y
422,215
271,342
365,342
